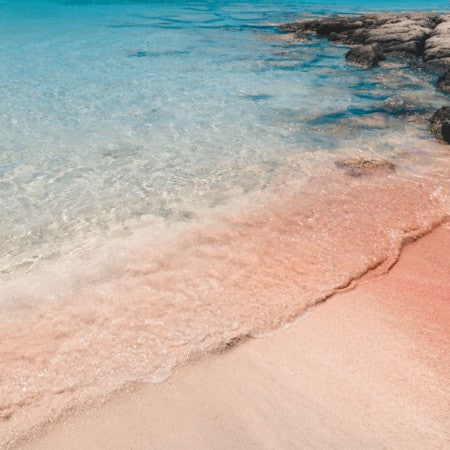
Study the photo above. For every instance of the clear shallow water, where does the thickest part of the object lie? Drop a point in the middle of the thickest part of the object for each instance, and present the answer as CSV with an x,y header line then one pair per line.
x,y
168,185
128,110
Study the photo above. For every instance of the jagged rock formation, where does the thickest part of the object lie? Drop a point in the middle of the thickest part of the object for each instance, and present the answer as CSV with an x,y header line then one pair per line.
x,y
375,37
437,46
440,124
412,35
365,55
443,82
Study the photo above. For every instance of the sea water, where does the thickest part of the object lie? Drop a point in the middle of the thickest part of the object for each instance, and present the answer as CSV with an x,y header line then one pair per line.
x,y
168,185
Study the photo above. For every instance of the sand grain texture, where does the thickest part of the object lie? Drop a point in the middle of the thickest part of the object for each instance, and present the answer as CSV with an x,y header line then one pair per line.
x,y
369,368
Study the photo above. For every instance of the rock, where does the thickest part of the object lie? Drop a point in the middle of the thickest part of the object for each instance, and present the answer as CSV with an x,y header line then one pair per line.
x,y
305,26
437,47
358,167
406,32
443,82
338,25
445,131
375,37
440,124
406,50
365,56
401,35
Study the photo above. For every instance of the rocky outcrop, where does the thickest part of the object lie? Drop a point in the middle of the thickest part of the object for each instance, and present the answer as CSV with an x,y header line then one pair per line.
x,y
375,37
437,46
440,124
365,56
443,82
413,35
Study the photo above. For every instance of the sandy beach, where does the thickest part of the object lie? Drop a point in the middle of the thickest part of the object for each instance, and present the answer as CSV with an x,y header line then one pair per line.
x,y
224,226
368,368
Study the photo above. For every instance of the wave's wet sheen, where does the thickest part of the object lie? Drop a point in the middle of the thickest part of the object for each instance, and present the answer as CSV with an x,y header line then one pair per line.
x,y
185,290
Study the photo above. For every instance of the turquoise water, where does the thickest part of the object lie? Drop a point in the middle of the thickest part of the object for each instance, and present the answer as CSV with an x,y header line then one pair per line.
x,y
112,111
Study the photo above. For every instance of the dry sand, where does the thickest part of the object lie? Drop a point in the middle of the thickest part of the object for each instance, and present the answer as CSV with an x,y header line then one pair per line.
x,y
369,368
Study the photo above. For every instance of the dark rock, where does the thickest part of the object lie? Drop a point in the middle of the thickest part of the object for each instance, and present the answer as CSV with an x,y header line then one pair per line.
x,y
358,37
337,26
365,56
358,167
333,37
445,131
440,124
305,26
401,35
443,82
391,35
404,49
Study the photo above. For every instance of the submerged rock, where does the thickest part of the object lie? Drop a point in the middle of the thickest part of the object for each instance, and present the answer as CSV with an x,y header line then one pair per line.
x,y
290,37
358,167
365,56
372,120
440,124
443,82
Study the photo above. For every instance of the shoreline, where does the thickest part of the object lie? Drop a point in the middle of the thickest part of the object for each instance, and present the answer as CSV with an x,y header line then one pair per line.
x,y
381,380
368,367
274,256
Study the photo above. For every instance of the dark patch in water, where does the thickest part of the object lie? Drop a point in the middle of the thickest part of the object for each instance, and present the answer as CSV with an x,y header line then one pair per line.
x,y
131,25
146,54
326,119
257,97
138,54
369,96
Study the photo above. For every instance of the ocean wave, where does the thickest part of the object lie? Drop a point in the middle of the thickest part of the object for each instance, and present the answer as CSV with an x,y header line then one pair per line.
x,y
136,307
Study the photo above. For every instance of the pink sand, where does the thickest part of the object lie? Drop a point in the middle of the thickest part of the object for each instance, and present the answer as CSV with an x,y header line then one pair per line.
x,y
369,368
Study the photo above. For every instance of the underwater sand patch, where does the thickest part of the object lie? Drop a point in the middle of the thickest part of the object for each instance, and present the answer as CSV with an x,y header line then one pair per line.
x,y
292,37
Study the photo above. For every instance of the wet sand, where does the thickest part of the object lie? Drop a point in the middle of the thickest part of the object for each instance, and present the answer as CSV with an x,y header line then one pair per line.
x,y
368,368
